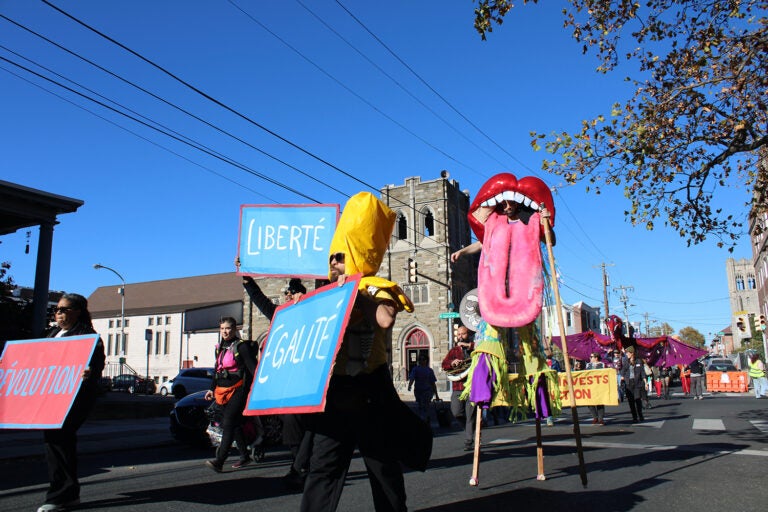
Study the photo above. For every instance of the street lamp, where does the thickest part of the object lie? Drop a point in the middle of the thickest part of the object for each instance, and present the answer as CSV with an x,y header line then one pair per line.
x,y
97,266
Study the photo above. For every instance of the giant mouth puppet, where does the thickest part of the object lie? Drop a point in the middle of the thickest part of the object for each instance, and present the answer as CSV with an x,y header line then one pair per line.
x,y
509,277
506,219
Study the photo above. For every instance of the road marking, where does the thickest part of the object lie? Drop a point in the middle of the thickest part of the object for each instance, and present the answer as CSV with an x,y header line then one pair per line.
x,y
761,425
707,424
630,446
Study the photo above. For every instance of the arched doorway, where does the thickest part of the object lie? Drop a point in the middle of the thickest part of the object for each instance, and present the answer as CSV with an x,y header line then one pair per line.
x,y
416,344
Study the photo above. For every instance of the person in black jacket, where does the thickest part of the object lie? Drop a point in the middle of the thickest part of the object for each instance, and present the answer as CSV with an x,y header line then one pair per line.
x,y
72,319
633,375
235,366
295,435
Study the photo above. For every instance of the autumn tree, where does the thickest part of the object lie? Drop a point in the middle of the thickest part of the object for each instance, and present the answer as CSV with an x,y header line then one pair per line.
x,y
660,330
691,336
697,121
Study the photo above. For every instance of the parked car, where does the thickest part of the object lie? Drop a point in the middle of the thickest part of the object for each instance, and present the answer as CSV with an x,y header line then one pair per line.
x,y
166,388
133,384
721,365
189,422
191,380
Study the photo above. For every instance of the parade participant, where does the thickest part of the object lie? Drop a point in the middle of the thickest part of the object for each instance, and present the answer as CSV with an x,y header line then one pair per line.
x,y
362,405
422,379
633,376
597,411
235,366
757,373
294,432
697,379
72,319
456,359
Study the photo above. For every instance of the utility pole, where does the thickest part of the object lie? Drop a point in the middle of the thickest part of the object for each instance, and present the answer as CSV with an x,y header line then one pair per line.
x,y
624,300
605,288
647,324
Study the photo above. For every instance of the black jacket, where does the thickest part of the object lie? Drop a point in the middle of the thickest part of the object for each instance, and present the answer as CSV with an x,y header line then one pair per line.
x,y
98,359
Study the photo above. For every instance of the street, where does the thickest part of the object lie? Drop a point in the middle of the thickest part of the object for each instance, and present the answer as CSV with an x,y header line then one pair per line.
x,y
710,453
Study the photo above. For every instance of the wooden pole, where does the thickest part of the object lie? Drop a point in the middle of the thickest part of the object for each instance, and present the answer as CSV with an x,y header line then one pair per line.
x,y
545,216
475,479
539,452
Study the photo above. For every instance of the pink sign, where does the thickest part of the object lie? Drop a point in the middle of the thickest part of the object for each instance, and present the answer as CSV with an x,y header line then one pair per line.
x,y
40,378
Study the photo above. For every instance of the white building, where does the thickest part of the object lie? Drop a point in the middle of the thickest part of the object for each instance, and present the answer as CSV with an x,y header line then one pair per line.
x,y
169,324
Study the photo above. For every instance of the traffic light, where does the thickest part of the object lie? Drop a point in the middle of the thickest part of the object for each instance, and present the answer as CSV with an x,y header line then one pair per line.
x,y
412,271
743,329
762,325
455,331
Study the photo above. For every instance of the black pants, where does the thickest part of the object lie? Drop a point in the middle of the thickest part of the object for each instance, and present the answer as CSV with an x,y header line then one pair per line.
x,y
635,399
61,450
232,426
358,414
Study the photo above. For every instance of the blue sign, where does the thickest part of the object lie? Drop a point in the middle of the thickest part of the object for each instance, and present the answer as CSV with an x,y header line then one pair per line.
x,y
286,240
295,365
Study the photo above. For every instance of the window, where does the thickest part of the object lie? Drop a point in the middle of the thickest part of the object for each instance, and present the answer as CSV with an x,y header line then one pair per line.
x,y
159,320
402,227
111,324
118,323
167,342
109,343
751,282
167,320
126,322
150,321
125,343
429,223
739,282
418,293
157,341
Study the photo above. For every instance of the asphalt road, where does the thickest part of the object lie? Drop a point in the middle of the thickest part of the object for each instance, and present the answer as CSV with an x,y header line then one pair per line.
x,y
709,454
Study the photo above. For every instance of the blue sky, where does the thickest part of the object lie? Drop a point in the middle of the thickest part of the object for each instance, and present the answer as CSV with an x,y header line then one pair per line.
x,y
156,208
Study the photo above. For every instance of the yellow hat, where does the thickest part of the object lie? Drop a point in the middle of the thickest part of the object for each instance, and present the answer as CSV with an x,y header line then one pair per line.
x,y
363,234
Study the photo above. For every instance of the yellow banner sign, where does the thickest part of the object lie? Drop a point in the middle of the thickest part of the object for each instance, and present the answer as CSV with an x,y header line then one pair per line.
x,y
590,387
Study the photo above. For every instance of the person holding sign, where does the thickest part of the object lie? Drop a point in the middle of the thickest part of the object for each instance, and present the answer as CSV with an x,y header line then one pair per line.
x,y
235,366
362,405
295,436
72,319
597,411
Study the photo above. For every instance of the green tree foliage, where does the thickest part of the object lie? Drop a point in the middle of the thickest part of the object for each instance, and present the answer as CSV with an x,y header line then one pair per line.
x,y
696,123
15,315
691,336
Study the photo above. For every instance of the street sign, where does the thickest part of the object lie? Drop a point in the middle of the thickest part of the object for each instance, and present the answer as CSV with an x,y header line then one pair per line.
x,y
449,314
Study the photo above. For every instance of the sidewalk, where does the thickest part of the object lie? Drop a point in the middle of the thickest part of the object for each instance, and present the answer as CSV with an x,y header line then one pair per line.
x,y
94,436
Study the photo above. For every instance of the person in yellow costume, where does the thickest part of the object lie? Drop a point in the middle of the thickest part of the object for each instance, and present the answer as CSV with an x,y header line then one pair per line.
x,y
361,403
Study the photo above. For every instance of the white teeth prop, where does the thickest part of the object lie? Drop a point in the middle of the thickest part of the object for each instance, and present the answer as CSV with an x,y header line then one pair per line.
x,y
508,195
499,198
519,197
527,201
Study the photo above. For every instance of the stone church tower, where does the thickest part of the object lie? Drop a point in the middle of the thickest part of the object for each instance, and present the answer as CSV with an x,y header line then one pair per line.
x,y
431,224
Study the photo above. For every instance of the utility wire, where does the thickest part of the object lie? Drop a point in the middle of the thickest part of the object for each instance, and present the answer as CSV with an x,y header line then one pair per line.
x,y
349,90
400,86
148,125
171,104
138,135
226,107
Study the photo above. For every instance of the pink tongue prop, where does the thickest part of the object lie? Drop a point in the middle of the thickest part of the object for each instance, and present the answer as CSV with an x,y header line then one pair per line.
x,y
509,279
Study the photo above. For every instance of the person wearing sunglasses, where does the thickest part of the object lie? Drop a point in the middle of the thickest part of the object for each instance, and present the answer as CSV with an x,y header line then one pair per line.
x,y
72,319
363,409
